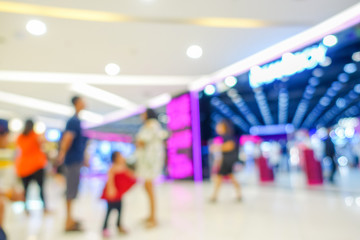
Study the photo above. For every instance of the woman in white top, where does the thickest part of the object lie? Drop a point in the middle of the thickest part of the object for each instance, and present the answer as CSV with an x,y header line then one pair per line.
x,y
150,155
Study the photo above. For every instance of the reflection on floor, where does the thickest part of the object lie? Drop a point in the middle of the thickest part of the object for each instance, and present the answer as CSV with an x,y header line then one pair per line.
x,y
267,212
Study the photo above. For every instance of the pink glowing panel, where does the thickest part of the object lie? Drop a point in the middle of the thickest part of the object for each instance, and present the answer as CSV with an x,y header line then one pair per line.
x,y
178,111
249,138
181,139
218,141
180,164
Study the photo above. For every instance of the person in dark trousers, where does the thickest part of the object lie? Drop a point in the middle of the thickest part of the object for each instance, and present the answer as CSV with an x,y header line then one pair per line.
x,y
71,153
330,153
31,161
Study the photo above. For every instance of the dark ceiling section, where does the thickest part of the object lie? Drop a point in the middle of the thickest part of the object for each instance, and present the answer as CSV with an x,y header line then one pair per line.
x,y
312,98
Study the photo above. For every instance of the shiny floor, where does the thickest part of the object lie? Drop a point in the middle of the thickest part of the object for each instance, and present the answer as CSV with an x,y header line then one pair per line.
x,y
267,212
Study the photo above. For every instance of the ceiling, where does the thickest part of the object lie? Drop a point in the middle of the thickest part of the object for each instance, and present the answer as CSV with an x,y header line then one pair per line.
x,y
325,93
150,44
151,48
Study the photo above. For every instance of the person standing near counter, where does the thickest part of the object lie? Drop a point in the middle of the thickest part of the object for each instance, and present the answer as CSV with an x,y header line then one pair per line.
x,y
330,152
71,153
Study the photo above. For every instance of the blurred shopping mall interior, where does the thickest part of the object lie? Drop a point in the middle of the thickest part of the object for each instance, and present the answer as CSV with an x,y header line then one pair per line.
x,y
283,74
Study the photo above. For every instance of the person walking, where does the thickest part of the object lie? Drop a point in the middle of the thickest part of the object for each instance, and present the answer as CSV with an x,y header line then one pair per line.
x,y
330,153
31,161
229,151
150,158
71,153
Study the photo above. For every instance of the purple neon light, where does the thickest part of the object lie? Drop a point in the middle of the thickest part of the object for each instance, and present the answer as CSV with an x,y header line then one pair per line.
x,y
196,133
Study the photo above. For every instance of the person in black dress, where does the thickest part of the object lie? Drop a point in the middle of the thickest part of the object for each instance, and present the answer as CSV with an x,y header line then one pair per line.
x,y
229,150
330,152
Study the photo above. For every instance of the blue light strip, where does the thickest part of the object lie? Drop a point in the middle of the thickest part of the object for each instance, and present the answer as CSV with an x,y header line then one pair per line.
x,y
305,101
272,130
263,106
283,106
351,112
341,104
323,103
243,108
227,112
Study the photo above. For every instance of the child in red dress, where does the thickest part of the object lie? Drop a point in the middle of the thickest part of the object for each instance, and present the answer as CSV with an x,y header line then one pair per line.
x,y
120,180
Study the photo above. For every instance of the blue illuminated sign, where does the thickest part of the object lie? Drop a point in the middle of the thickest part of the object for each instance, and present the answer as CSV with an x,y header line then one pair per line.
x,y
53,135
289,64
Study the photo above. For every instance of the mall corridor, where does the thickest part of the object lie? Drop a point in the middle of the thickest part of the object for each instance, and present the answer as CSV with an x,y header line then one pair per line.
x,y
180,119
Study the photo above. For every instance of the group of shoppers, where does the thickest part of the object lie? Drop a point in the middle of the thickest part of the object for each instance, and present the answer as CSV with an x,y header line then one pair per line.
x,y
31,162
150,154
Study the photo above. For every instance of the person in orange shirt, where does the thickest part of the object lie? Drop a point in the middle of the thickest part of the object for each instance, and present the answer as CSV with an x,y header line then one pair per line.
x,y
31,162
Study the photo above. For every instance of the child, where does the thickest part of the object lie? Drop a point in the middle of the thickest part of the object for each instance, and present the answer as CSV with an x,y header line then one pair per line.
x,y
120,180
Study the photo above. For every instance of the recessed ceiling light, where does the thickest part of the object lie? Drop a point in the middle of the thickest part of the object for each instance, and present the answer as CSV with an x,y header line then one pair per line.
x,y
350,68
330,40
357,88
112,69
53,135
343,77
356,57
209,90
230,81
15,125
40,127
327,62
194,52
318,72
36,27
325,101
314,81
341,103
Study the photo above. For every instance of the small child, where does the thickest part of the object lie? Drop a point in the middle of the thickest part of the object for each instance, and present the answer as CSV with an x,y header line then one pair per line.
x,y
120,180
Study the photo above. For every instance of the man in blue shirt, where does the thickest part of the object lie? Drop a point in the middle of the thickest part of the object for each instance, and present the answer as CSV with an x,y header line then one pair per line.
x,y
71,153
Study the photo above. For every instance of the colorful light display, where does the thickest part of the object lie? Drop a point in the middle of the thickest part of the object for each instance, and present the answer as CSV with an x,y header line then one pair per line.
x,y
288,65
180,163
